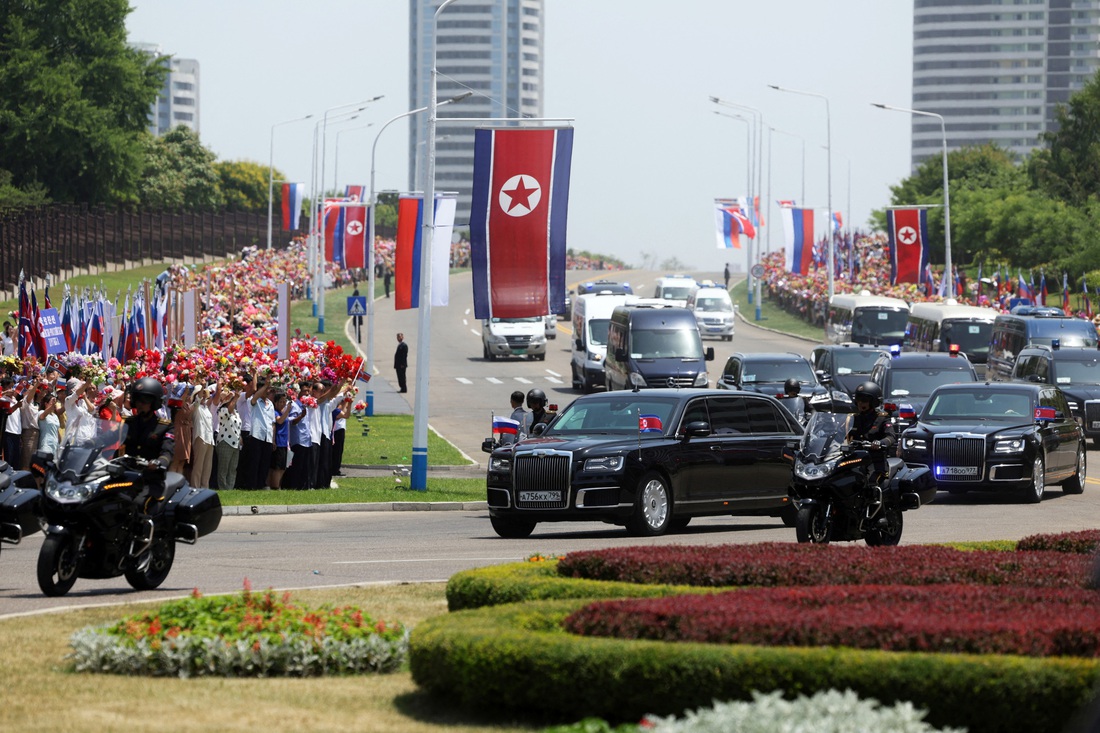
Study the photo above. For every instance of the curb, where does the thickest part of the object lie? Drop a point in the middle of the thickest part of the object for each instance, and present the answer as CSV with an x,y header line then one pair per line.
x,y
754,324
387,506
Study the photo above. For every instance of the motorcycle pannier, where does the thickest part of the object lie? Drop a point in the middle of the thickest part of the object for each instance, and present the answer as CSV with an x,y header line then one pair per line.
x,y
917,481
202,508
18,513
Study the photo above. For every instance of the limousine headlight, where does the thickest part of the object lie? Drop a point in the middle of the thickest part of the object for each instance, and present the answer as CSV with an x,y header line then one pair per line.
x,y
607,464
914,444
1011,445
502,465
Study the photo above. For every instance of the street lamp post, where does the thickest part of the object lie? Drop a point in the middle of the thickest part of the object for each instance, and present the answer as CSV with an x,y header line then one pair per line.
x,y
803,195
829,173
370,239
336,154
271,172
947,271
748,147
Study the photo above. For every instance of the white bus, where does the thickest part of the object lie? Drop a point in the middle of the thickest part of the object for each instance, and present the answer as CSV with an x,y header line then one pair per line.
x,y
865,319
939,326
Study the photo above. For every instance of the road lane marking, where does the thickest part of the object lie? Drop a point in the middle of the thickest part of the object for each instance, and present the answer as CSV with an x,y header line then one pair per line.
x,y
555,381
475,332
464,380
552,373
494,380
523,380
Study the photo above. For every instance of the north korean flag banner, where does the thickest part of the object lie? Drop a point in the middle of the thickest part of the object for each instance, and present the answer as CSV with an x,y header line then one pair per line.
x,y
355,236
798,232
293,194
408,250
355,193
908,232
518,214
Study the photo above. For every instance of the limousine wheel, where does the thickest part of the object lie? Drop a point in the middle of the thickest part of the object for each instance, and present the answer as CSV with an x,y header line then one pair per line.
x,y
512,529
1034,493
652,507
1075,484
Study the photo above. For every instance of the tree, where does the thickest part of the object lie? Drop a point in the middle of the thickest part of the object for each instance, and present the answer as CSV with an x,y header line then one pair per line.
x,y
244,185
74,98
12,197
1070,168
180,173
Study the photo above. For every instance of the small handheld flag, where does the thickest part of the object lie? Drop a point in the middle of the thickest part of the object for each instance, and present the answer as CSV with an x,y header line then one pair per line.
x,y
505,426
650,424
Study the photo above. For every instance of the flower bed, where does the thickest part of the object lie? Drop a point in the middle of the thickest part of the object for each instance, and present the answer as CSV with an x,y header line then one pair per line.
x,y
949,618
249,635
788,564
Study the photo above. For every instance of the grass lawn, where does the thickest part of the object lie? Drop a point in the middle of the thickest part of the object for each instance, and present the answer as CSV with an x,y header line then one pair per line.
x,y
41,693
772,316
362,489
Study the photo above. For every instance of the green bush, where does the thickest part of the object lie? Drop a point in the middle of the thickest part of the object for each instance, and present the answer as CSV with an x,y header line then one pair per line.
x,y
516,659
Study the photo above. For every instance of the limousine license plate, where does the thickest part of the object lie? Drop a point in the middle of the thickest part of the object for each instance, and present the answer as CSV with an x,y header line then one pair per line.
x,y
1096,424
540,496
959,470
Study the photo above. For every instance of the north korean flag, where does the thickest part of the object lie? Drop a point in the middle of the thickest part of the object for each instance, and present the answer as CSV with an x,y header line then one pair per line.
x,y
518,216
650,424
908,233
355,236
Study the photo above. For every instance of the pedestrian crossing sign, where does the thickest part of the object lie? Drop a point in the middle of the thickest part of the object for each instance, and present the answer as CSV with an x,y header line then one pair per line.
x,y
357,305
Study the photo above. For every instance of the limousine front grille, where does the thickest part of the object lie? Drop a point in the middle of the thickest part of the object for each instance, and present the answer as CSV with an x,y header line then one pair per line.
x,y
545,474
958,458
1092,415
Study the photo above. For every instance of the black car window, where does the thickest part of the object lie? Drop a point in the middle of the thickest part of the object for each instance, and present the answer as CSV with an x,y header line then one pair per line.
x,y
1077,372
772,370
1025,365
731,367
728,416
855,362
921,382
820,359
763,417
1054,398
695,411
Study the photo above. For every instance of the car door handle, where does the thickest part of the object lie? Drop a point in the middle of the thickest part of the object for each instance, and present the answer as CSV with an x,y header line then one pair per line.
x,y
717,447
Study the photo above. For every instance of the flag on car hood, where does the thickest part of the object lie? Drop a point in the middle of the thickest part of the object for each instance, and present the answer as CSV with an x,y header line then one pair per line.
x,y
518,212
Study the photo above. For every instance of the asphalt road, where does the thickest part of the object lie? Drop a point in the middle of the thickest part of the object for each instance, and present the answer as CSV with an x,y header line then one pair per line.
x,y
315,550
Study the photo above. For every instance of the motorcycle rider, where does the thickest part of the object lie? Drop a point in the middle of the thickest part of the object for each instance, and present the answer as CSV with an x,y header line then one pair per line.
x,y
793,401
152,438
872,425
536,403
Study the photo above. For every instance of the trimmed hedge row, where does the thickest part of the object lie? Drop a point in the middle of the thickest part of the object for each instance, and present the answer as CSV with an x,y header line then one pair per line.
x,y
1085,542
516,659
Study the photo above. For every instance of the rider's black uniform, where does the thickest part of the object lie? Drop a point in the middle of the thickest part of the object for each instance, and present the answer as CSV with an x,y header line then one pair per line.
x,y
874,425
153,439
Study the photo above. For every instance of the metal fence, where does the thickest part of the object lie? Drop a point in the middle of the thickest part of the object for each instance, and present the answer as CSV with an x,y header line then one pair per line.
x,y
47,240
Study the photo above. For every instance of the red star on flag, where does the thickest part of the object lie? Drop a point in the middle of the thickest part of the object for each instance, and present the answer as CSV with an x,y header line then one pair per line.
x,y
520,195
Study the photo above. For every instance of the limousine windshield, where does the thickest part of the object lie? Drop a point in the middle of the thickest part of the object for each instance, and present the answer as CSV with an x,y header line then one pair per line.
x,y
879,325
622,415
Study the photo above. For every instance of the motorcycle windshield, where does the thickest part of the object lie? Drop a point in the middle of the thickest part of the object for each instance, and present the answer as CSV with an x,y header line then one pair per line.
x,y
88,446
825,433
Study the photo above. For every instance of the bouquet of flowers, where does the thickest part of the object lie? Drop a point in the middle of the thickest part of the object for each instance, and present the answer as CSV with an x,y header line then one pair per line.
x,y
308,401
11,364
360,408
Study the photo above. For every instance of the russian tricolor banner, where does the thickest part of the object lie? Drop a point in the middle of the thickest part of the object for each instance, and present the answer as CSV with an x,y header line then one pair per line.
x,y
333,217
908,232
407,251
293,194
518,215
798,232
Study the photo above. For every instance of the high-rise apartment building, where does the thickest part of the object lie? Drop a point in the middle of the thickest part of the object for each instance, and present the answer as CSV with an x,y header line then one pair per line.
x,y
493,48
178,100
997,69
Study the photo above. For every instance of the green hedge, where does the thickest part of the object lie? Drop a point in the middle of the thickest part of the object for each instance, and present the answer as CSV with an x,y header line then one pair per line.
x,y
515,659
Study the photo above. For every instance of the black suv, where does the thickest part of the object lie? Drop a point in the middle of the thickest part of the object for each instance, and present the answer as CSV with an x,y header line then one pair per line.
x,y
842,368
908,378
650,460
1077,374
999,436
766,372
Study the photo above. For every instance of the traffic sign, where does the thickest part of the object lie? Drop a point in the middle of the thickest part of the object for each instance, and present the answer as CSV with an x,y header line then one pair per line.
x,y
357,305
757,270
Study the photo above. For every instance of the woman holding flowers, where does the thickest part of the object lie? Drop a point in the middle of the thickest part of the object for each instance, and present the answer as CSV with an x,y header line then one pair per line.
x,y
202,453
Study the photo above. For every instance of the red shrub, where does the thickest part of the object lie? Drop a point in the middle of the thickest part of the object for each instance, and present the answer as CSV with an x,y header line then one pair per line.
x,y
947,618
790,564
1084,542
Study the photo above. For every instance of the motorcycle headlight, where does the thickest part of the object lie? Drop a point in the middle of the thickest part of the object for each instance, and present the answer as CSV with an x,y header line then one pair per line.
x,y
1010,445
502,465
64,492
814,471
606,464
914,444
701,379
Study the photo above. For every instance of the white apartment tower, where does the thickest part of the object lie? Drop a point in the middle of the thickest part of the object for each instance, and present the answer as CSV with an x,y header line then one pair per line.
x,y
178,100
493,48
997,69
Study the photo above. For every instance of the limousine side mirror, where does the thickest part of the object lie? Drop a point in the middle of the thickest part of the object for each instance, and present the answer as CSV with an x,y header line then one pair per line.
x,y
697,429
538,429
710,353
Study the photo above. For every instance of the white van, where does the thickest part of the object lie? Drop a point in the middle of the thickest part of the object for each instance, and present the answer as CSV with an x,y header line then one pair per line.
x,y
868,320
713,311
677,288
513,337
591,318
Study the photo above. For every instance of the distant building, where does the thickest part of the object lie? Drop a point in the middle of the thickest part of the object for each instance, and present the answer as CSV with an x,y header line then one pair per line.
x,y
178,100
493,48
996,71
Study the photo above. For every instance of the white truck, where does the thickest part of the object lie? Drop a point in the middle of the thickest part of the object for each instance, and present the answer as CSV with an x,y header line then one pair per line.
x,y
513,337
591,318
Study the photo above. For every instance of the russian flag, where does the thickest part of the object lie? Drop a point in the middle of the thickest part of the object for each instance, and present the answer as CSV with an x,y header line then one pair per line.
x,y
293,195
333,217
908,233
505,426
408,250
798,231
838,221
518,215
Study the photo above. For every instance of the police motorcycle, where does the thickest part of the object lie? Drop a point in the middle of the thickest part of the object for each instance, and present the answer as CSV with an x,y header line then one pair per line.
x,y
98,516
19,504
835,493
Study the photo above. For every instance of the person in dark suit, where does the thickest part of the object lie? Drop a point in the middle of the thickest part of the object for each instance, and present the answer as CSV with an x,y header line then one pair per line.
x,y
401,362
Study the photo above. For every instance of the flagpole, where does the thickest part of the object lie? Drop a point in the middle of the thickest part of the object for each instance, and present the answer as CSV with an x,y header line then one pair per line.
x,y
271,173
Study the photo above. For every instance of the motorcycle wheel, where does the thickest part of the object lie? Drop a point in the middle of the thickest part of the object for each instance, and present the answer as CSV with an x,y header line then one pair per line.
x,y
57,565
812,525
889,536
160,557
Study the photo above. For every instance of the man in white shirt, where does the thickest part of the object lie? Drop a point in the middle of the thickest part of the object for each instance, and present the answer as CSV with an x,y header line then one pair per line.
x,y
10,401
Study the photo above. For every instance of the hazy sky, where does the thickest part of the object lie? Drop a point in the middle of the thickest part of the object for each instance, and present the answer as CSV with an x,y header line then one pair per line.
x,y
649,155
